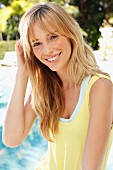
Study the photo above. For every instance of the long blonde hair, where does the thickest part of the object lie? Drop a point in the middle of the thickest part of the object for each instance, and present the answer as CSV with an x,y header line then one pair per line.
x,y
47,95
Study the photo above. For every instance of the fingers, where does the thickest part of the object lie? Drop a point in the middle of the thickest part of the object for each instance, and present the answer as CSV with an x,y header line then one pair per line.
x,y
20,54
19,48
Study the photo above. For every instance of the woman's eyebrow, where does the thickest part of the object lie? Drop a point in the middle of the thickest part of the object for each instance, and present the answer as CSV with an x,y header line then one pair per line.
x,y
52,32
34,40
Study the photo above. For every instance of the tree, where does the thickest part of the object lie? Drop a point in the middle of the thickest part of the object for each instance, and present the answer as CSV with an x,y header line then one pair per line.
x,y
109,11
5,2
89,13
90,19
4,15
12,15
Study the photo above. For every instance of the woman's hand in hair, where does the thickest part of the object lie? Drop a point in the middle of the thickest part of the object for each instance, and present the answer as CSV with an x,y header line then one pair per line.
x,y
20,54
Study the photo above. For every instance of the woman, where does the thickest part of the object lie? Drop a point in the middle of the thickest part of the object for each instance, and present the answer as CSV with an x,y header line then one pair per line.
x,y
70,95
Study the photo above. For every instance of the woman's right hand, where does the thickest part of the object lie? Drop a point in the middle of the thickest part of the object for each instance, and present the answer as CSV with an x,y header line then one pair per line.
x,y
19,116
20,54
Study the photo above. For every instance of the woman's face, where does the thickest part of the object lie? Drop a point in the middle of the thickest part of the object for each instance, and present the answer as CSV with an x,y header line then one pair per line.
x,y
52,49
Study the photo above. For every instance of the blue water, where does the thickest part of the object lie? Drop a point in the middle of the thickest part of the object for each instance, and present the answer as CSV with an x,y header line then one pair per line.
x,y
26,156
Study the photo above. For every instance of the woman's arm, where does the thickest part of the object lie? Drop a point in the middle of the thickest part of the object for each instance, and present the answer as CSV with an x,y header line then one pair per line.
x,y
101,107
19,118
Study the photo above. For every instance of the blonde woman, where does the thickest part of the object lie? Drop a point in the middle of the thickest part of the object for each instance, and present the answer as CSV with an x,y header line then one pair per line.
x,y
70,95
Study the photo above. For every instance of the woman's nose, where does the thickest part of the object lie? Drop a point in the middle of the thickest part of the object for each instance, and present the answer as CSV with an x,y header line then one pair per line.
x,y
47,49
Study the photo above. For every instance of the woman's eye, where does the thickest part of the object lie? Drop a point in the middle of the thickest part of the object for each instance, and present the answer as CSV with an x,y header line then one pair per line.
x,y
36,44
53,37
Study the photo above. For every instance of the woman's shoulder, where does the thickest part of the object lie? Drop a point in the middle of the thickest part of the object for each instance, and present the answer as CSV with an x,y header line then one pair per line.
x,y
100,81
101,88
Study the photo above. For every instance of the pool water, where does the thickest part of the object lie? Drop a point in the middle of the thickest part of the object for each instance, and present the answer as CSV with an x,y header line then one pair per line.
x,y
26,156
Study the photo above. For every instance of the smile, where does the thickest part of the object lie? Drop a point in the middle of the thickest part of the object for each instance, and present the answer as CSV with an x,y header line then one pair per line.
x,y
53,58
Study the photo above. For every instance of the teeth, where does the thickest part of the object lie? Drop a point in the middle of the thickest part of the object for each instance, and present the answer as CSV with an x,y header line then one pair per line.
x,y
53,58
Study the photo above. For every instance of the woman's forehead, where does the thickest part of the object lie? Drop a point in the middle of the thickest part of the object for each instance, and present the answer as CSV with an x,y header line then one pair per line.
x,y
37,28
47,27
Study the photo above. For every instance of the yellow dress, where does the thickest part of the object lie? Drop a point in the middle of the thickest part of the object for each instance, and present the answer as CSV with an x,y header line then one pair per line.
x,y
67,150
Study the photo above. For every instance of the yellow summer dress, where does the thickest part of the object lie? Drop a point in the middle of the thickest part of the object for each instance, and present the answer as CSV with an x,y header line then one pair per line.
x,y
67,150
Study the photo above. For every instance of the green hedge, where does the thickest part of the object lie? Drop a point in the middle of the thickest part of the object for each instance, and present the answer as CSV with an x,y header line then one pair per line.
x,y
6,46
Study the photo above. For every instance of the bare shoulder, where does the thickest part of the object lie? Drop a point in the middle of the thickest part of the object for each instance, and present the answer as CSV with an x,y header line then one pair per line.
x,y
101,85
101,98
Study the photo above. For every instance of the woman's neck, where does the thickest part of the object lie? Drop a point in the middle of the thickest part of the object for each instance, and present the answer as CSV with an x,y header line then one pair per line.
x,y
66,80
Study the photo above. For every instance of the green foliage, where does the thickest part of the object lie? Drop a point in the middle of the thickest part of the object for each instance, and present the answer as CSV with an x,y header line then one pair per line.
x,y
72,10
89,13
90,19
6,46
92,14
4,16
12,15
5,2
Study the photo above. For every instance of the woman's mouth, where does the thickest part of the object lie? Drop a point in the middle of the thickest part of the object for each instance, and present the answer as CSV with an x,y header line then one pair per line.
x,y
54,58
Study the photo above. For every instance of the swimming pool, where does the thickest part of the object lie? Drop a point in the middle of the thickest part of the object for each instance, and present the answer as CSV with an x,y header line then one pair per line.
x,y
26,156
